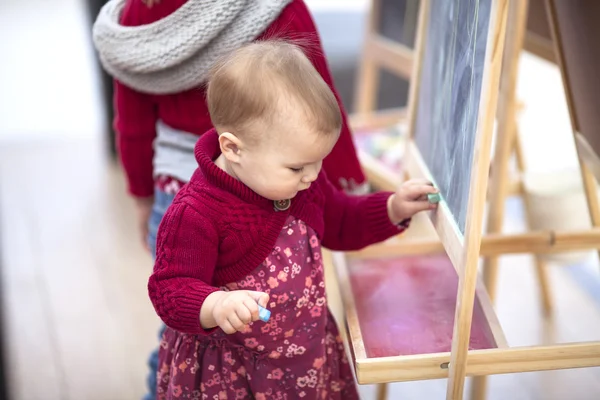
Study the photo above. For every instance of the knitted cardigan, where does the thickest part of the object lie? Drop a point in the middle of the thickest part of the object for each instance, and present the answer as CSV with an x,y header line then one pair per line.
x,y
218,230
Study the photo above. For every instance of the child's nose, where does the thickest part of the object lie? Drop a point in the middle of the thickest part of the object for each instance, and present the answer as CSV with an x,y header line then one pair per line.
x,y
310,176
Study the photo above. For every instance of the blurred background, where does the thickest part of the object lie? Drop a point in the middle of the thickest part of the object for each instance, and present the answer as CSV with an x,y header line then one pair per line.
x,y
76,320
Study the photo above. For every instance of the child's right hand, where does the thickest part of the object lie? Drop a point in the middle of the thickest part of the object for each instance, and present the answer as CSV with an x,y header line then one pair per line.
x,y
233,311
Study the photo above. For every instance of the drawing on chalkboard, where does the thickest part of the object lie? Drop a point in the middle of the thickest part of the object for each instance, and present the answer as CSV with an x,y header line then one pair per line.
x,y
449,95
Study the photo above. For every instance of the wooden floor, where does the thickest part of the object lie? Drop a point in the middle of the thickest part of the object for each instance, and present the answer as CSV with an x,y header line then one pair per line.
x,y
79,325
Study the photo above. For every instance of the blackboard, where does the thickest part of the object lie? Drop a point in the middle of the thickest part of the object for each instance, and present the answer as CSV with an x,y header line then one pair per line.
x,y
449,94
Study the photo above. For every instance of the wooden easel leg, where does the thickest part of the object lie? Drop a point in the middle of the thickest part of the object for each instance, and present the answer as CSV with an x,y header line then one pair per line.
x,y
519,156
382,391
409,28
368,74
478,388
540,265
591,192
506,132
505,140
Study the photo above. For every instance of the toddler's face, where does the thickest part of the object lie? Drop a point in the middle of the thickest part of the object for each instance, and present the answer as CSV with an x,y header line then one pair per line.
x,y
285,162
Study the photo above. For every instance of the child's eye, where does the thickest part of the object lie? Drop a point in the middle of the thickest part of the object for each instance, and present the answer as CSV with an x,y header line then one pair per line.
x,y
297,169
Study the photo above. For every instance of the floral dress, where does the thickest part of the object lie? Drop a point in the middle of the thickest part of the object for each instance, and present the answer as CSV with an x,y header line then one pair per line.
x,y
297,354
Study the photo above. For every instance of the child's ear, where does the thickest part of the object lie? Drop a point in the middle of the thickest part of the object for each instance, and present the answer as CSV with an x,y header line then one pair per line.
x,y
231,146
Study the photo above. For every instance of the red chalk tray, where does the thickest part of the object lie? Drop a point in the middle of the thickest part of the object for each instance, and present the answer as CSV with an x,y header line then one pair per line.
x,y
400,316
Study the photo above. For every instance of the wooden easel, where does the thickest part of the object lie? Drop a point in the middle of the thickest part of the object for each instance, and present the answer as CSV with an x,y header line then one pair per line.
x,y
380,52
500,359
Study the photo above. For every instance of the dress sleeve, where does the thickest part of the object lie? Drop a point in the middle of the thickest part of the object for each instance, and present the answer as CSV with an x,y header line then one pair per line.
x,y
135,125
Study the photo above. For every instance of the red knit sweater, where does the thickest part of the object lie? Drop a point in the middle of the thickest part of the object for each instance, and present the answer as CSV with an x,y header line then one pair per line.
x,y
218,230
137,113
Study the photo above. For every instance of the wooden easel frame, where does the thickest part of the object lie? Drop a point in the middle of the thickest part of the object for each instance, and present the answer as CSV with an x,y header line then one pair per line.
x,y
480,362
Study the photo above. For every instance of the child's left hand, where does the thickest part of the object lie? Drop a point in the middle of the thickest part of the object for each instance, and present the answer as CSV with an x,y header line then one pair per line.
x,y
410,199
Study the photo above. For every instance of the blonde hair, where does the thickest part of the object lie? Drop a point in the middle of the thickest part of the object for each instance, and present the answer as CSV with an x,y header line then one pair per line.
x,y
252,82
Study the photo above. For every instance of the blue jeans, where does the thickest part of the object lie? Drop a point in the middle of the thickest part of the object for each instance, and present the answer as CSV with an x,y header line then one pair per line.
x,y
162,201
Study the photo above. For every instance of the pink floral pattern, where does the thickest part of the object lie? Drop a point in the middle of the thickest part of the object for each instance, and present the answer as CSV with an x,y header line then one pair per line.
x,y
298,354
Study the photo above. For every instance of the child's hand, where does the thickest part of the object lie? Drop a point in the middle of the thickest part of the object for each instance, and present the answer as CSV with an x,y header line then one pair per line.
x,y
410,199
143,207
233,311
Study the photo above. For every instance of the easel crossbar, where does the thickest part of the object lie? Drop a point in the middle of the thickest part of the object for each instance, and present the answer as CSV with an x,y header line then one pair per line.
x,y
480,362
496,244
541,242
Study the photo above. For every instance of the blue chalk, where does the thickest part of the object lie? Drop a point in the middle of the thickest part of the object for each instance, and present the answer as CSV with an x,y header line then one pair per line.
x,y
263,314
434,197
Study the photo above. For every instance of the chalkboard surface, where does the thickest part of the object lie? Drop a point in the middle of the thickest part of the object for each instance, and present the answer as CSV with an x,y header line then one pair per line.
x,y
449,94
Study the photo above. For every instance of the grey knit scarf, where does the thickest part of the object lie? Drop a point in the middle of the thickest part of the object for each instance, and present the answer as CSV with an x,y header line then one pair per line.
x,y
176,52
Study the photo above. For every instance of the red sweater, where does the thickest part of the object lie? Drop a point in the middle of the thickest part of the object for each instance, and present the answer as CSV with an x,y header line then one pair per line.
x,y
218,230
137,113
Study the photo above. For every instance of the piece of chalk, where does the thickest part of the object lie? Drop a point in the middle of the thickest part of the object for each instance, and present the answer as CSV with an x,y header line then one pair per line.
x,y
264,314
433,197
